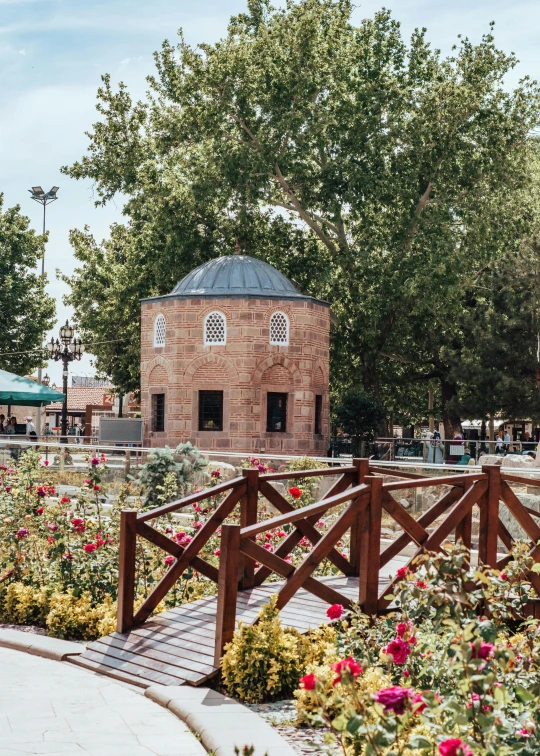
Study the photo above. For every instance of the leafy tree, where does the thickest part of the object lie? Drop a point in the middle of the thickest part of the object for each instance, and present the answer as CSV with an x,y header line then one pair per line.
x,y
375,173
26,310
358,414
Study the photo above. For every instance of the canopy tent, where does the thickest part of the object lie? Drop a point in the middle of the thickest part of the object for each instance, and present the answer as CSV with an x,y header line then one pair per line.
x,y
23,391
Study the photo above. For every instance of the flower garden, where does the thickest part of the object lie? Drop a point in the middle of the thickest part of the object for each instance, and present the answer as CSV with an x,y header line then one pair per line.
x,y
451,670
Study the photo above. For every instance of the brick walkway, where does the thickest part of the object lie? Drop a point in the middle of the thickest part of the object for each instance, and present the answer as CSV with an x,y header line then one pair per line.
x,y
53,708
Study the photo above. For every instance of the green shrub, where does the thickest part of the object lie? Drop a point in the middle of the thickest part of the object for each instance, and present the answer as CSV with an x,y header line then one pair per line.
x,y
263,661
25,605
168,471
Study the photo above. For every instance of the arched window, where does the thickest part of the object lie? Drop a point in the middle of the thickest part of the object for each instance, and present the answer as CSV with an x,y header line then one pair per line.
x,y
159,331
215,329
279,329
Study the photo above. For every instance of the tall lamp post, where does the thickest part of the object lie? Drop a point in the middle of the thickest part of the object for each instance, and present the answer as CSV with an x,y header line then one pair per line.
x,y
67,350
44,198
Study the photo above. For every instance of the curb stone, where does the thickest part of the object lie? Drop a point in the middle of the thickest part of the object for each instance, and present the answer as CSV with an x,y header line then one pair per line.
x,y
39,645
221,722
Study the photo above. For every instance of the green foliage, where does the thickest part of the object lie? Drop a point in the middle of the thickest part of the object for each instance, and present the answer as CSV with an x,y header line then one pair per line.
x,y
408,173
450,655
26,310
359,415
263,661
167,472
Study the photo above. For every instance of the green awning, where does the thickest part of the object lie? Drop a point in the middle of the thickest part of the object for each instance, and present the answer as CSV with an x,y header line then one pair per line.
x,y
23,391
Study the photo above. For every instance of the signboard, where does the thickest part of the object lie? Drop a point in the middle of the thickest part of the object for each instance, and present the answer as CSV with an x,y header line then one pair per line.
x,y
120,430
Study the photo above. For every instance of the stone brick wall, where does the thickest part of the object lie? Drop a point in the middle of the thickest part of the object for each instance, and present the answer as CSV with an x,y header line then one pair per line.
x,y
246,368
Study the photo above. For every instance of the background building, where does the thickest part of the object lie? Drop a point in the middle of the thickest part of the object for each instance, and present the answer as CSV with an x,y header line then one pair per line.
x,y
235,358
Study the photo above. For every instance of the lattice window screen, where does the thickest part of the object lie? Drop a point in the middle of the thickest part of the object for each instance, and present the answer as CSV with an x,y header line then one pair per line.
x,y
279,329
159,331
215,329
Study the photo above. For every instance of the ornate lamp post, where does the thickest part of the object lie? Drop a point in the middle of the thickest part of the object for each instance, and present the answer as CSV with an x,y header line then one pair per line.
x,y
46,380
67,350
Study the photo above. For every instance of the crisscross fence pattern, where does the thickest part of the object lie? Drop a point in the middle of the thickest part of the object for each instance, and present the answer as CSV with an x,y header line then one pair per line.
x,y
358,499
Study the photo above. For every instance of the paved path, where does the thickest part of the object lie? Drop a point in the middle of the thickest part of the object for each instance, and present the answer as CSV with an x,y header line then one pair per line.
x,y
54,708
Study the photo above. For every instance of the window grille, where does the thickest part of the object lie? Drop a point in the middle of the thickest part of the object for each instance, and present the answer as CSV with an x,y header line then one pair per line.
x,y
158,413
159,331
210,410
215,329
279,329
276,413
318,414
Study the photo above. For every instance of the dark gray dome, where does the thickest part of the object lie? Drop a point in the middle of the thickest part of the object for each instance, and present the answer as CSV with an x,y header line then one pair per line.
x,y
237,275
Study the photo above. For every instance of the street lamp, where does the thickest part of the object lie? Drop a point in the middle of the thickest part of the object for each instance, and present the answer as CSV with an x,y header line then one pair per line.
x,y
44,198
70,349
46,380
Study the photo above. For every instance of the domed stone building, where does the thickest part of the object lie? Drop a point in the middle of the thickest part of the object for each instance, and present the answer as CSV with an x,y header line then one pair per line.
x,y
235,358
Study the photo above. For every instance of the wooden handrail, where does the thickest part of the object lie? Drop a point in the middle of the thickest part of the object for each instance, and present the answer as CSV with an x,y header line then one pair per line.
x,y
301,514
206,493
447,480
518,479
396,473
322,472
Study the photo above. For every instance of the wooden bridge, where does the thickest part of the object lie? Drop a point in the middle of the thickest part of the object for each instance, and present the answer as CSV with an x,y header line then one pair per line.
x,y
184,645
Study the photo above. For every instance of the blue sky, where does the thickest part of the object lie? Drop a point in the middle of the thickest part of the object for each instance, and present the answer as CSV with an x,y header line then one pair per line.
x,y
53,52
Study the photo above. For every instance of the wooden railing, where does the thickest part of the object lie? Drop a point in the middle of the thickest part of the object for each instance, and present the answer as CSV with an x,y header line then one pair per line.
x,y
362,489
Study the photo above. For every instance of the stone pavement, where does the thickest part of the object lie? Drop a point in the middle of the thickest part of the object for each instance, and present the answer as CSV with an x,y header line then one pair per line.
x,y
54,708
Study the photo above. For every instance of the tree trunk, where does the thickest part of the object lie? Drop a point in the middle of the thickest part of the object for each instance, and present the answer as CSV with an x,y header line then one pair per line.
x,y
451,418
373,386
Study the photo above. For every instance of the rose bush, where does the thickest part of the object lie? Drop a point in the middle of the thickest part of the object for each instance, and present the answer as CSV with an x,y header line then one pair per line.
x,y
457,667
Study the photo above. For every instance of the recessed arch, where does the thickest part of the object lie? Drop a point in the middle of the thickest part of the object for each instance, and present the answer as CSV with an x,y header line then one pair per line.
x,y
277,359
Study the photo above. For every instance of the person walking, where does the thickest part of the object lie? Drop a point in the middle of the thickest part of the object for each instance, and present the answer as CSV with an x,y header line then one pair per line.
x,y
507,441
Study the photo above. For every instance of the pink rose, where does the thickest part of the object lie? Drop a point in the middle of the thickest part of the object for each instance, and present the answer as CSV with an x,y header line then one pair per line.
x,y
169,560
95,461
398,649
394,699
483,651
334,612
53,527
454,747
21,533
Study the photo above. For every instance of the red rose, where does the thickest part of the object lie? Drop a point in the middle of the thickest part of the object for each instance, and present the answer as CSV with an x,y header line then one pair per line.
x,y
347,667
39,511
97,488
89,547
64,500
421,584
296,493
404,627
402,572
394,699
50,539
398,649
308,682
21,533
281,533
217,552
334,612
168,560
78,525
454,747
418,703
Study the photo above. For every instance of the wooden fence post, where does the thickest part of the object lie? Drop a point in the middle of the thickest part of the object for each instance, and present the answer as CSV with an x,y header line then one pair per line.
x,y
126,570
227,588
362,470
248,516
370,547
489,517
